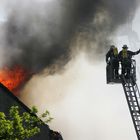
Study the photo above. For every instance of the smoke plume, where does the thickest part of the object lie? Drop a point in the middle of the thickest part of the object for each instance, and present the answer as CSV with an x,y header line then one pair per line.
x,y
41,34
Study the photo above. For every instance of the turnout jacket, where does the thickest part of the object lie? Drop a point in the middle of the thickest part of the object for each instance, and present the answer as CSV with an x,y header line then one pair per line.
x,y
127,55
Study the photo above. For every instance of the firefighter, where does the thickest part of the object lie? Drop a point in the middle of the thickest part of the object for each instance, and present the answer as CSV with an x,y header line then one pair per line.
x,y
125,56
113,61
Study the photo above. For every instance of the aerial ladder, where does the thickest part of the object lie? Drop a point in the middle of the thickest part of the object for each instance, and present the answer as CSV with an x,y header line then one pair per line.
x,y
131,91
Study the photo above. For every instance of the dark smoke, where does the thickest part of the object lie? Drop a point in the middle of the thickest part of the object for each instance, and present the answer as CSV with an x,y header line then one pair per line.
x,y
39,35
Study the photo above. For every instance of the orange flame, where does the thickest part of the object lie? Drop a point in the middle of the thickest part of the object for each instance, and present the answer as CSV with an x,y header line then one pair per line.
x,y
13,78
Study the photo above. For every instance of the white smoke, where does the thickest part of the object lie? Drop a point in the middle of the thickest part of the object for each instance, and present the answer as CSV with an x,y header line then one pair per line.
x,y
83,106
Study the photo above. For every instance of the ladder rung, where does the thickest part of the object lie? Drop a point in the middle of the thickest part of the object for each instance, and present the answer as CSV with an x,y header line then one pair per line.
x,y
137,120
130,91
136,116
138,125
137,111
133,101
128,86
130,99
134,105
133,96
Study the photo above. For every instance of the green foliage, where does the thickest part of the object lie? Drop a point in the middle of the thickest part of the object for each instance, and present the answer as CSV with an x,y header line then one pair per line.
x,y
47,117
16,126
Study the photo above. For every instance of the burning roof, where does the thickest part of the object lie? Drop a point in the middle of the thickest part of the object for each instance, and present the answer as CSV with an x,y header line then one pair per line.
x,y
13,78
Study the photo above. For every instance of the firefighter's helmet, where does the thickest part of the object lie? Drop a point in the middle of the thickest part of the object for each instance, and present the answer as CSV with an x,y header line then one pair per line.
x,y
125,47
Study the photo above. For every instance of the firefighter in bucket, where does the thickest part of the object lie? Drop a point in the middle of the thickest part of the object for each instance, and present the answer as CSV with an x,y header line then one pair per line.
x,y
125,57
112,61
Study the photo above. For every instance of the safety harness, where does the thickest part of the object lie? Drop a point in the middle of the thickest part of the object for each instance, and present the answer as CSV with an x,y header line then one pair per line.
x,y
124,53
115,52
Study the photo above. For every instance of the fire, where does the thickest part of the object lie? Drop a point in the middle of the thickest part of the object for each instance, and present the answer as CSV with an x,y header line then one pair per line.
x,y
13,78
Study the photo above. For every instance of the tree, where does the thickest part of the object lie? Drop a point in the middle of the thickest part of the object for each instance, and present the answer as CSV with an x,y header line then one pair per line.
x,y
16,126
